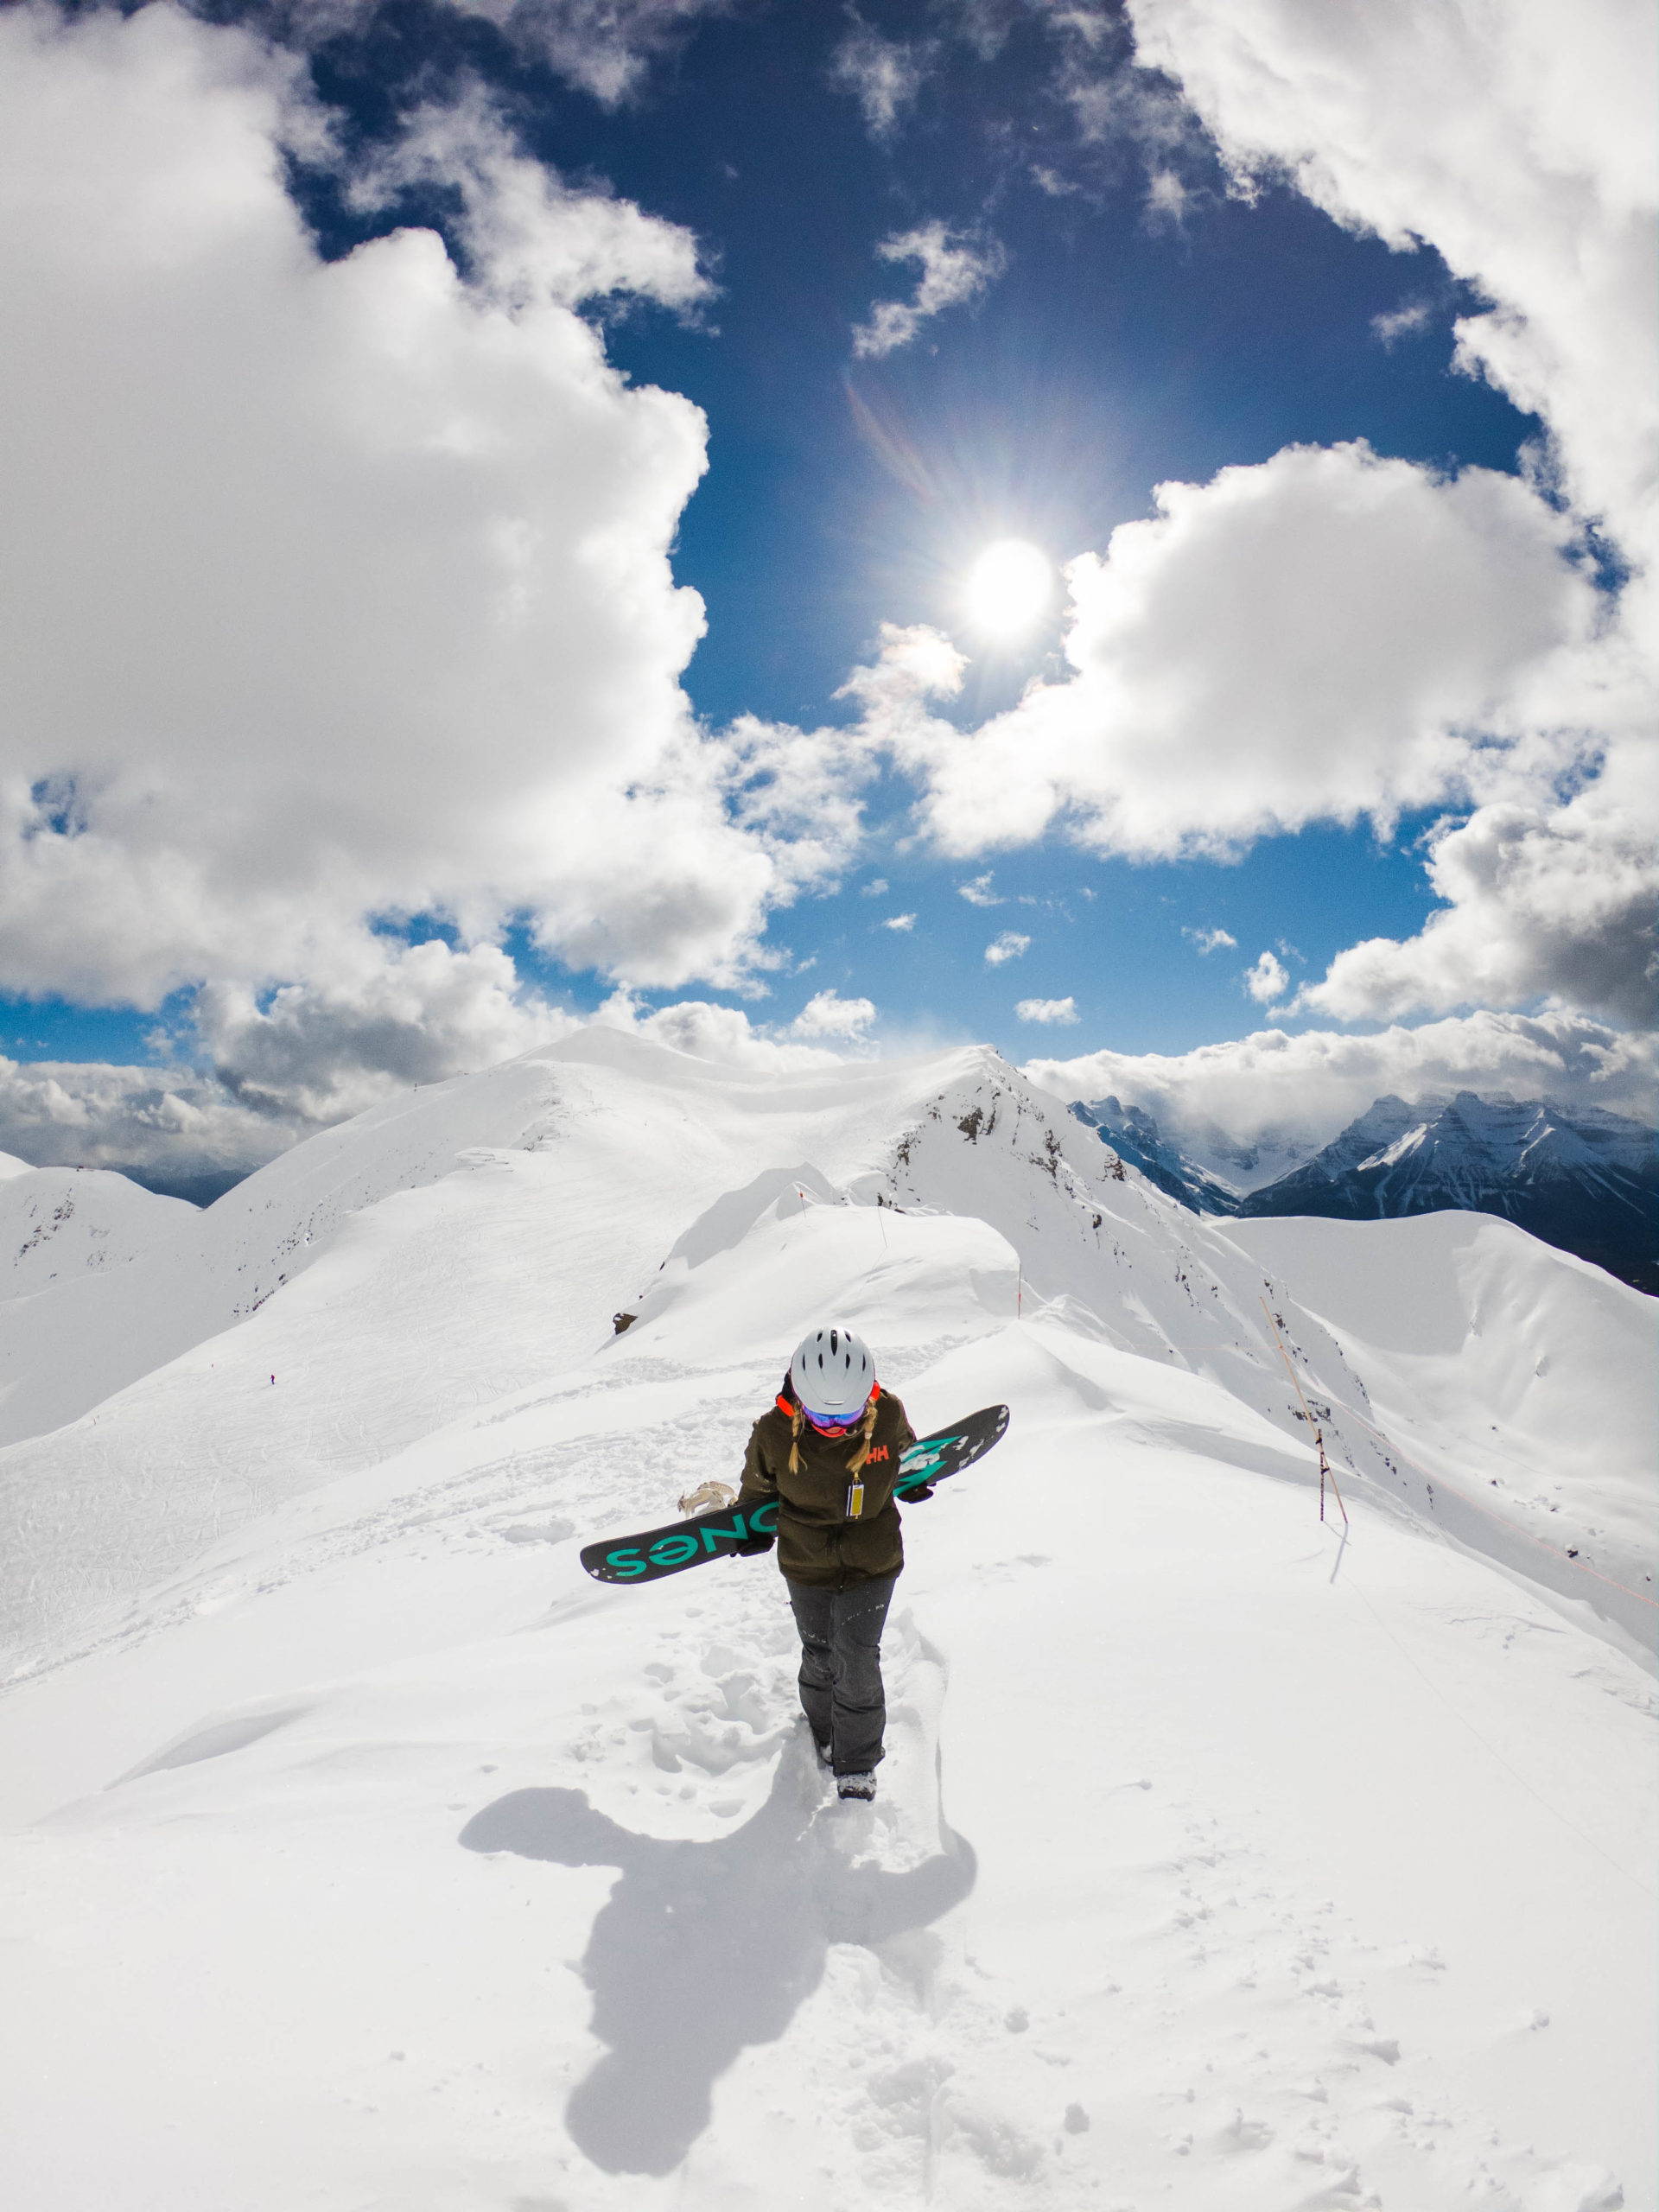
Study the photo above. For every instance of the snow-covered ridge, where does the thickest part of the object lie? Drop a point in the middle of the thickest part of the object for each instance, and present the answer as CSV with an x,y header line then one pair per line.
x,y
1587,1182
57,1224
506,1218
1135,1136
1475,1145
1220,1856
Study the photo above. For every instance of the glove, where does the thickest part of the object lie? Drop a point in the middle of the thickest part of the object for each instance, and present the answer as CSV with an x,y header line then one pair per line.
x,y
918,1496
752,1546
710,1496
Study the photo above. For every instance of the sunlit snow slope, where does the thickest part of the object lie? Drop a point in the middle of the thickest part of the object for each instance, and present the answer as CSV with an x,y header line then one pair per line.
x,y
362,1853
59,1223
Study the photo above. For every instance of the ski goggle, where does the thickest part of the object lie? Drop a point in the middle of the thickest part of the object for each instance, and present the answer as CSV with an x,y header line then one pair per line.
x,y
833,1424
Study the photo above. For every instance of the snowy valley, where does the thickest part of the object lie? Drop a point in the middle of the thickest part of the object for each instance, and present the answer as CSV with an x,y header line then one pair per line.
x,y
361,1852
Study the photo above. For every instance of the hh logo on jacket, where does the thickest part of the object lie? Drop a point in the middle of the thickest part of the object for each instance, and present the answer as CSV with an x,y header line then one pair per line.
x,y
878,1452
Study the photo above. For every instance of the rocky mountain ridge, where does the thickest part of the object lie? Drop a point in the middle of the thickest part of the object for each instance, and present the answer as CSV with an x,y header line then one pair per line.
x,y
1585,1180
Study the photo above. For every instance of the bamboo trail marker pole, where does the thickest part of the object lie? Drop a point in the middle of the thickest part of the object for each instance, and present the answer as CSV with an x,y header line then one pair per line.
x,y
1325,1468
1469,1504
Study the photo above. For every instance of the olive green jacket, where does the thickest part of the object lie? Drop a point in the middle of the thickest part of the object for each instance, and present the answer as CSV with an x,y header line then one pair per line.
x,y
817,1543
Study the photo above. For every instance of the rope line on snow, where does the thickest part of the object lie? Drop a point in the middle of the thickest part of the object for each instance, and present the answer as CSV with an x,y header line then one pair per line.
x,y
1512,1527
1422,1675
1475,1504
1324,1465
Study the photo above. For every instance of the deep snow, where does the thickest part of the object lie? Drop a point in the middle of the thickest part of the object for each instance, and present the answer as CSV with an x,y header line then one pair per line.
x,y
362,1853
58,1224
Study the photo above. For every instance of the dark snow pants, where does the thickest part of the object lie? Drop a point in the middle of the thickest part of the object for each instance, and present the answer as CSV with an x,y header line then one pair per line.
x,y
841,1668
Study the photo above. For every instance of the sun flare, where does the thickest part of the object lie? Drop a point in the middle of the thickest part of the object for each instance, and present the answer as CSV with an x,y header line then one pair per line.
x,y
1009,588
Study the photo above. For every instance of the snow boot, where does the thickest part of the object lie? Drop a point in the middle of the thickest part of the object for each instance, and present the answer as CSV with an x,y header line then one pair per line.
x,y
862,1786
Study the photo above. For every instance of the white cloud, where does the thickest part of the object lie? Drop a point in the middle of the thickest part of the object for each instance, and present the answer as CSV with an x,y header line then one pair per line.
x,y
956,265
883,74
1060,1011
1167,196
1008,946
1267,979
1120,111
723,1033
1211,940
176,1124
796,793
913,665
875,888
1325,635
529,238
315,1054
1557,901
984,25
1524,156
605,46
827,1014
978,891
1332,636
1313,1085
332,590
1404,322
899,922
1328,636
389,1014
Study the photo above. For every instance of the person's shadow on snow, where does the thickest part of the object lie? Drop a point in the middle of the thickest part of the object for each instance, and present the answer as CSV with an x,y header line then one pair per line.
x,y
704,1948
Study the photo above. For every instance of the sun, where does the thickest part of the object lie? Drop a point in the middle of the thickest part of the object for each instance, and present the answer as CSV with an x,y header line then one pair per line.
x,y
1009,588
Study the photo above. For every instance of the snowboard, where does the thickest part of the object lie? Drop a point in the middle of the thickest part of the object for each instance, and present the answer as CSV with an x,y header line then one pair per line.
x,y
724,1533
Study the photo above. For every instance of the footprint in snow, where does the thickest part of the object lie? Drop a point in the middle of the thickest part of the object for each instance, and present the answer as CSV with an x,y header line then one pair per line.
x,y
705,1948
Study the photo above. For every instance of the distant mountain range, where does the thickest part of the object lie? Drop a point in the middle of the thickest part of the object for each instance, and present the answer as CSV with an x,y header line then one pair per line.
x,y
1585,1181
1135,1136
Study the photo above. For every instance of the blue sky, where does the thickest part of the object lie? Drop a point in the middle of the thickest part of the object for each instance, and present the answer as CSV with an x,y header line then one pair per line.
x,y
1119,350
1142,319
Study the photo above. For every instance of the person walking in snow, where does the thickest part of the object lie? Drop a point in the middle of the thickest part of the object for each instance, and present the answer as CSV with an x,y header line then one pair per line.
x,y
828,1453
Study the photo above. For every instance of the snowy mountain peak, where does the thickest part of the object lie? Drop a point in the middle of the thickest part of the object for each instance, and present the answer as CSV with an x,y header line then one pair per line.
x,y
1587,1182
59,1223
516,1212
1135,1136
302,1657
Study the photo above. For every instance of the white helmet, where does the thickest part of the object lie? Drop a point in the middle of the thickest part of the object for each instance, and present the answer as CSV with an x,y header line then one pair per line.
x,y
833,1374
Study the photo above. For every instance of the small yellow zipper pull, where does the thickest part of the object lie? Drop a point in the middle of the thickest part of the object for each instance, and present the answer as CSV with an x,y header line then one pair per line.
x,y
854,1500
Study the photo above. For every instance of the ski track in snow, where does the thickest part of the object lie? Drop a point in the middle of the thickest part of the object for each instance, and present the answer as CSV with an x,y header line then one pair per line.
x,y
368,1855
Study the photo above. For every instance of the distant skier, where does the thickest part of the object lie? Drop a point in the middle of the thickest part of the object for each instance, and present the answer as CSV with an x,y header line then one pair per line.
x,y
829,1452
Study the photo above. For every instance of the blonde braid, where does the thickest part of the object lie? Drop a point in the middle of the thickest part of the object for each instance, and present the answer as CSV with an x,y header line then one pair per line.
x,y
863,1450
795,1421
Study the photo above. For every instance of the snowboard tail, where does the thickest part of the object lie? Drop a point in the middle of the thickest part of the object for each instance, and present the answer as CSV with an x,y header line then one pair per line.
x,y
724,1533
